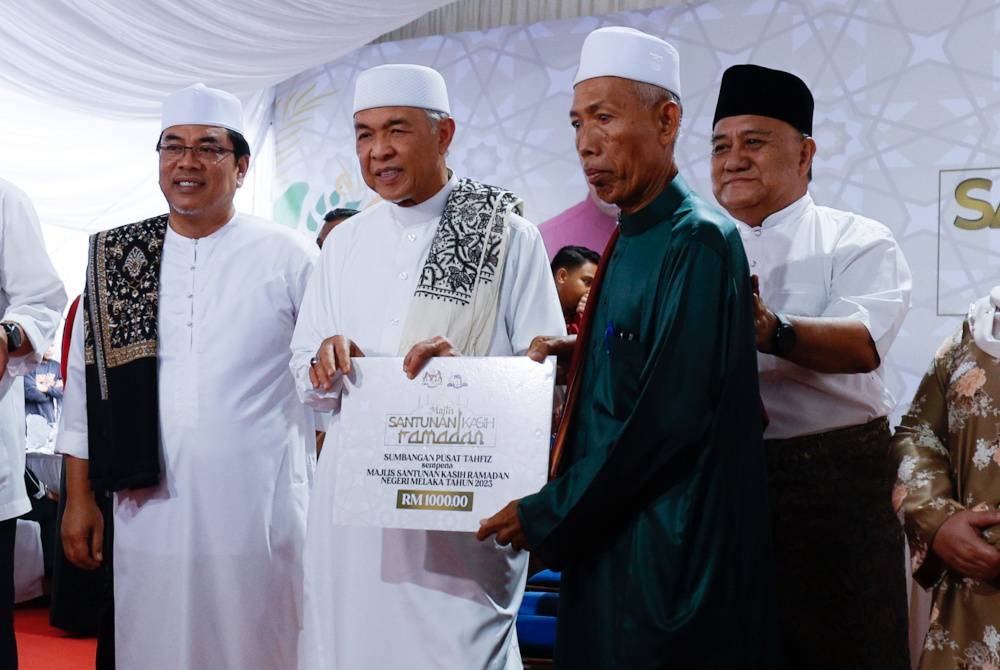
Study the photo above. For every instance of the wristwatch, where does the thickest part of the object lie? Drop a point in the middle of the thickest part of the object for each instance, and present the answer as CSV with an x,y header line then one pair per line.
x,y
784,336
13,332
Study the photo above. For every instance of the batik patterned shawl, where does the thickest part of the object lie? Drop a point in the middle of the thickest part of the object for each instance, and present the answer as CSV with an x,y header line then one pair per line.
x,y
458,290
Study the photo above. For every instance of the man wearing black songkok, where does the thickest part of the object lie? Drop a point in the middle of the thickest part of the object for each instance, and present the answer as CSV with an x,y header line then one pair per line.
x,y
831,290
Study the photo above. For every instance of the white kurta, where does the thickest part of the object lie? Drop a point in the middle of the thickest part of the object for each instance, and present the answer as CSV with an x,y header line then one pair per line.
x,y
31,295
380,599
818,261
207,565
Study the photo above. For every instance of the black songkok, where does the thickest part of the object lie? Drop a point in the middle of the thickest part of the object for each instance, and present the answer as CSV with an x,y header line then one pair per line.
x,y
761,91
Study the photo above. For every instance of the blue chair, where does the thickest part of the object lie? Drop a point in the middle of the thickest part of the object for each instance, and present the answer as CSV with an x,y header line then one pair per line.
x,y
536,624
544,580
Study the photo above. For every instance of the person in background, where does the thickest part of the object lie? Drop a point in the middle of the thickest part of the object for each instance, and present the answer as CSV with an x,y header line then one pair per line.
x,y
43,386
588,223
331,220
831,289
946,455
31,303
573,270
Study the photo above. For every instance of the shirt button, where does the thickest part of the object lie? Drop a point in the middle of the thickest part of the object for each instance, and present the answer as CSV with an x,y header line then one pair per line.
x,y
190,295
412,237
403,275
192,267
395,322
190,324
757,232
753,264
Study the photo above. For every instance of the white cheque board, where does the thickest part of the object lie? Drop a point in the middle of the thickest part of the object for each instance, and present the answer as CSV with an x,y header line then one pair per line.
x,y
443,450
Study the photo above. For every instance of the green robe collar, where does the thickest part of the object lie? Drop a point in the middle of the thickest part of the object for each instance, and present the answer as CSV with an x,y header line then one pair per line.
x,y
659,211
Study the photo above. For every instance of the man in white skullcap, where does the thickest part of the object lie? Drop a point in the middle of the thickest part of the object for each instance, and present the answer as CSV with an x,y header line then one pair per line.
x,y
180,401
657,512
394,280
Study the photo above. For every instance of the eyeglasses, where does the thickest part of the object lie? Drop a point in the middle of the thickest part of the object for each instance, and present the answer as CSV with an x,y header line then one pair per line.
x,y
206,153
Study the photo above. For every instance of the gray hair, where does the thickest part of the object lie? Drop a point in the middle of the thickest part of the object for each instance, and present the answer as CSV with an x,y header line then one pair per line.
x,y
651,95
435,117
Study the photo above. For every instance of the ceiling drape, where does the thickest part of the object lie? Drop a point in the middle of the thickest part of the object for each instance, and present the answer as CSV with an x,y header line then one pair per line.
x,y
121,57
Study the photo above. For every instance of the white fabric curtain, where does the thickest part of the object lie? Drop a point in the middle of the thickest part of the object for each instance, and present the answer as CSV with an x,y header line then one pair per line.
x,y
121,57
471,15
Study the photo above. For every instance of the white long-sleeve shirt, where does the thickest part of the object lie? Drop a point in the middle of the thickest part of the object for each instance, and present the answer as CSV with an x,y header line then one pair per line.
x,y
818,261
31,295
207,564
440,599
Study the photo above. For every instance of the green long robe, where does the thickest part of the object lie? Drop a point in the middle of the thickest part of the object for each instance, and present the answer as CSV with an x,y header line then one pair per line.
x,y
658,518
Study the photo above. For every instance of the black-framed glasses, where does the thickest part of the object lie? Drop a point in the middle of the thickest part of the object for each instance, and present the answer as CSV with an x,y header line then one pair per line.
x,y
206,153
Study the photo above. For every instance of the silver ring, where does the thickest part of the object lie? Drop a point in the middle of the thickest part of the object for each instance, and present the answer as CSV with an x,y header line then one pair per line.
x,y
313,361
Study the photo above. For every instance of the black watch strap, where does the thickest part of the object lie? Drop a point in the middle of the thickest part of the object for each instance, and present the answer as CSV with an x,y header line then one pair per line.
x,y
13,333
784,336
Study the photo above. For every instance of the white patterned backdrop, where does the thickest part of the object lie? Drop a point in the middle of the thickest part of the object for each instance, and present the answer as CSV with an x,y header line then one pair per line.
x,y
906,92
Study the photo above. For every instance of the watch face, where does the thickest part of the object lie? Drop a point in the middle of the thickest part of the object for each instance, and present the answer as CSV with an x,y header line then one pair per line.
x,y
13,336
784,338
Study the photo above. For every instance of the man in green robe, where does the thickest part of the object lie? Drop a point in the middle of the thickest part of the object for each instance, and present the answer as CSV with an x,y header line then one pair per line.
x,y
657,515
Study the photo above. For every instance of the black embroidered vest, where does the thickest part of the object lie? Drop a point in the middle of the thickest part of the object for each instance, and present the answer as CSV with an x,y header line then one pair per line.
x,y
120,337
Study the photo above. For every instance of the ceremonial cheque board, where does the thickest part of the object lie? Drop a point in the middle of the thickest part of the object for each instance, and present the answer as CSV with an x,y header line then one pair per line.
x,y
444,450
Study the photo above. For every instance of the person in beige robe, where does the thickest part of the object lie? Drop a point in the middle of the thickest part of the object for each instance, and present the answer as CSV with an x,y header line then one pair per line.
x,y
946,454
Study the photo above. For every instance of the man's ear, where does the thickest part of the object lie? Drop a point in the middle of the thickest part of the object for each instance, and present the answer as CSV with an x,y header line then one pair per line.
x,y
806,155
561,275
668,118
242,165
446,133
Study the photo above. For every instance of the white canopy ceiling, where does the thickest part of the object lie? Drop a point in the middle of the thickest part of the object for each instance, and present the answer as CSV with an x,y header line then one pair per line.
x,y
121,57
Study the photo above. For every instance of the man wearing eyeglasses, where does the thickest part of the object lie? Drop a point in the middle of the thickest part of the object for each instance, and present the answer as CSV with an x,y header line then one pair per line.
x,y
831,291
180,400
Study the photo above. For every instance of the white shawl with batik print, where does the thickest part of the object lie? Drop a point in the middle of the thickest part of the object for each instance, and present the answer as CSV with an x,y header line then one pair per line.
x,y
459,285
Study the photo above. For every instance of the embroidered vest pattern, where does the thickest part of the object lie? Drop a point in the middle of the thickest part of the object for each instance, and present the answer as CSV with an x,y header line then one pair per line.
x,y
120,300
